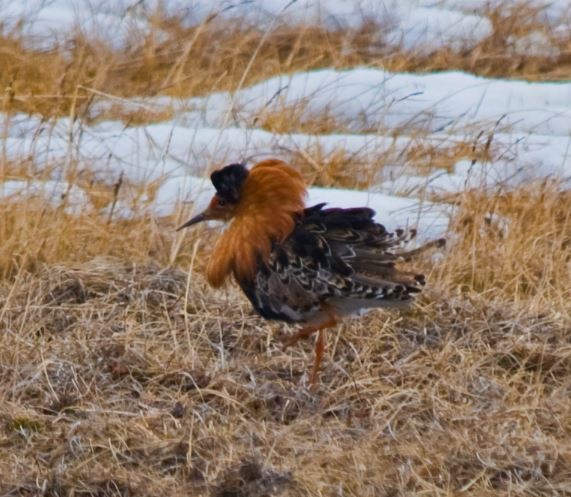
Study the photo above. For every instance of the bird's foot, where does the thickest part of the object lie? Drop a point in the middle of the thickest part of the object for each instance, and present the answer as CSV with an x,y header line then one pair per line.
x,y
292,340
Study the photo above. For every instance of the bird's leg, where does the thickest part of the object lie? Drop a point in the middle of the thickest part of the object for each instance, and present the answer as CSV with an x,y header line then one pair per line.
x,y
319,350
325,320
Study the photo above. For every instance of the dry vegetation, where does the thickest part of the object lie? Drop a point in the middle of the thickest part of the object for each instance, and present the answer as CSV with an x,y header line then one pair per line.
x,y
217,55
121,373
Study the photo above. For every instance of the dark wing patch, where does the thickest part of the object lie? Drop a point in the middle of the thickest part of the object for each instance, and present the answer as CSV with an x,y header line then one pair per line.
x,y
334,255
368,249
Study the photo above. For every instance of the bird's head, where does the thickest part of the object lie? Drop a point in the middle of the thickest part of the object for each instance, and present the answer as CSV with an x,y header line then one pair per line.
x,y
228,182
262,203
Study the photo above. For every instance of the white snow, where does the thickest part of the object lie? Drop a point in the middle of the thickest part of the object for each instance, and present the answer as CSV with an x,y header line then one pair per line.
x,y
553,12
497,176
405,22
534,44
189,189
365,98
56,193
44,23
416,25
530,124
158,151
424,30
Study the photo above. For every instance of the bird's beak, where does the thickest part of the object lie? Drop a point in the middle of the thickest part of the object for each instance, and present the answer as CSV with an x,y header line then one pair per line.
x,y
203,216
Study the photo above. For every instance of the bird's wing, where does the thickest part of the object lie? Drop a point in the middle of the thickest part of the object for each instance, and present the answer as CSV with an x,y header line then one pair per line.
x,y
352,256
335,255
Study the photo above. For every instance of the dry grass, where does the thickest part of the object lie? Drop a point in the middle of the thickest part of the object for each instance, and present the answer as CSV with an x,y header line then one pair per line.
x,y
182,62
122,373
125,378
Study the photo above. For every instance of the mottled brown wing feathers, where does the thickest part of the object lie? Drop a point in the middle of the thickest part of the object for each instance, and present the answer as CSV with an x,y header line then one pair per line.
x,y
366,247
334,255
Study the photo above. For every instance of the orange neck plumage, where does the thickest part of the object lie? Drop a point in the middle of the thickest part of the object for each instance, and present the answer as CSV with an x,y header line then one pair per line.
x,y
272,194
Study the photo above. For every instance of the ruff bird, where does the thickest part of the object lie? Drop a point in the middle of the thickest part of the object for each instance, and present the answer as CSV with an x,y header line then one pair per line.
x,y
307,265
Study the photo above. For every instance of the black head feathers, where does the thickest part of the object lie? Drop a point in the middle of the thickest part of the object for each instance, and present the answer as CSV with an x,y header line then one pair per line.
x,y
228,181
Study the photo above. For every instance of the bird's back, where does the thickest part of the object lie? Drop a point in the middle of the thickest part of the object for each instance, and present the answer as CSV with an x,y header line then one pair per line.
x,y
336,257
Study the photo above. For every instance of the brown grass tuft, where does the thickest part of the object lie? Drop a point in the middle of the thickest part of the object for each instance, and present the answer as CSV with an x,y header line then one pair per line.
x,y
515,247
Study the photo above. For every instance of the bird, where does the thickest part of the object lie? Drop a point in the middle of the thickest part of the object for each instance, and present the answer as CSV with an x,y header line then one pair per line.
x,y
307,265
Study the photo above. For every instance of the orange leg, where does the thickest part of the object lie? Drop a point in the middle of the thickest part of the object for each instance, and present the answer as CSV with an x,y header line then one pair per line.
x,y
324,321
319,350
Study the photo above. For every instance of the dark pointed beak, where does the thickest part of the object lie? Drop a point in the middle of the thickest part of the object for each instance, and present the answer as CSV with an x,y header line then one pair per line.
x,y
196,219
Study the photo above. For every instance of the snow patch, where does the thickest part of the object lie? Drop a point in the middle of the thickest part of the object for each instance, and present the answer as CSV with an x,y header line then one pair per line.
x,y
407,22
73,199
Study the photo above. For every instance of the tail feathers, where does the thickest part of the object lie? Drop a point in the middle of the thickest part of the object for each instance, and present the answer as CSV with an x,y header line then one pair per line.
x,y
411,254
394,240
385,256
410,282
377,268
